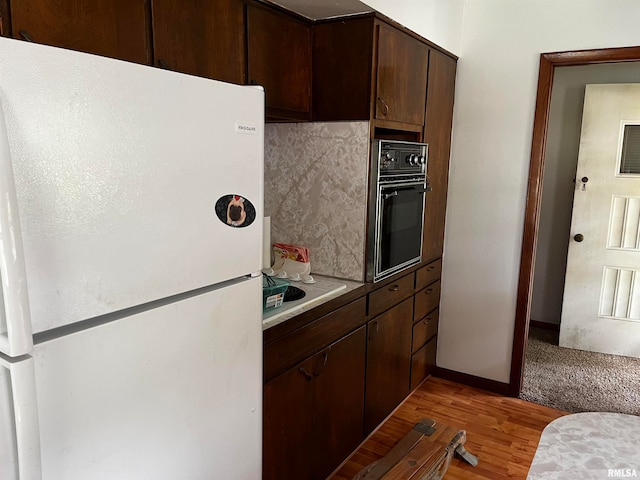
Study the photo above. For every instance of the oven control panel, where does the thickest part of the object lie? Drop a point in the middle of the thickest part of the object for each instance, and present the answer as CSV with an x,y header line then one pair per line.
x,y
395,157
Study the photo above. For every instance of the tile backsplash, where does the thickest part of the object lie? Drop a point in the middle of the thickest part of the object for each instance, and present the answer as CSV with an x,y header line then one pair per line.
x,y
316,192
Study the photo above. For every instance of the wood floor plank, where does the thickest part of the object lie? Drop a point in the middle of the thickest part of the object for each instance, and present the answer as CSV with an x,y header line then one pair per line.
x,y
502,432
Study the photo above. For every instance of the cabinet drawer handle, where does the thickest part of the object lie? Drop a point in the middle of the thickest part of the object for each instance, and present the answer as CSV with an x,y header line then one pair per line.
x,y
324,364
372,333
386,107
305,373
430,268
394,288
428,291
164,65
25,36
427,321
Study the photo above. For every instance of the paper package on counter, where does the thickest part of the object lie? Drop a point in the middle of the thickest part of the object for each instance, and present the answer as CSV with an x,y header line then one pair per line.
x,y
291,259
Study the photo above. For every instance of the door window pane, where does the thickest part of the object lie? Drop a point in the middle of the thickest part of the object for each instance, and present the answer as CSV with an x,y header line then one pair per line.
x,y
630,162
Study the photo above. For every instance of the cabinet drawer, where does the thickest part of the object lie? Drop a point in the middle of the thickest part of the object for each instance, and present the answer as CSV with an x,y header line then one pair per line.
x,y
426,300
423,362
299,344
424,330
428,274
390,295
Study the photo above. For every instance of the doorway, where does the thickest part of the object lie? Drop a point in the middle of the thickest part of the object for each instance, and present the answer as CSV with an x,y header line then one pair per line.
x,y
548,64
563,139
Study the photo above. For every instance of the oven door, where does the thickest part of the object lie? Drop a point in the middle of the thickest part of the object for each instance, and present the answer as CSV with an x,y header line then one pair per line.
x,y
398,239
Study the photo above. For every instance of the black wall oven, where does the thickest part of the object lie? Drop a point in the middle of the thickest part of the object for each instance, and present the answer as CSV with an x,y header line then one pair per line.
x,y
396,207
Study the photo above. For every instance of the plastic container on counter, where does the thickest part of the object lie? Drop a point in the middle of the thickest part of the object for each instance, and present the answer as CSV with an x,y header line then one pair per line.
x,y
273,292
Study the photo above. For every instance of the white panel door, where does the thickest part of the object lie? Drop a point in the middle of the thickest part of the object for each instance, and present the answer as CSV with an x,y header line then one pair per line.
x,y
118,168
601,306
169,393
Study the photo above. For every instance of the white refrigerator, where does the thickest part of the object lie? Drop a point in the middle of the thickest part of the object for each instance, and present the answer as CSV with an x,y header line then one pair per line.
x,y
131,206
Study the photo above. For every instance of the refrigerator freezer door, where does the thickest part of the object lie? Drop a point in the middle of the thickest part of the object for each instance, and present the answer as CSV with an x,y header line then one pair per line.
x,y
118,170
15,336
170,393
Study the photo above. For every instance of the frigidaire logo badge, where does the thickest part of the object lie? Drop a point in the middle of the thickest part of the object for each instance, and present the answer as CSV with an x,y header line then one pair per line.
x,y
246,129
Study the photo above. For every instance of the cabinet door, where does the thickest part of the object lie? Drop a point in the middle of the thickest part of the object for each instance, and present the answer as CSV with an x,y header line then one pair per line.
x,y
388,362
113,28
287,424
200,37
313,412
437,133
5,21
401,77
341,93
338,402
279,59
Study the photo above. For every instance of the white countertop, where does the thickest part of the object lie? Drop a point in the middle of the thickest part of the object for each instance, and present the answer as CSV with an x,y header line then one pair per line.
x,y
324,289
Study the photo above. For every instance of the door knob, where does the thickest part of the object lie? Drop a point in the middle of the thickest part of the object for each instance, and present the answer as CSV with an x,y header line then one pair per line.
x,y
584,181
578,237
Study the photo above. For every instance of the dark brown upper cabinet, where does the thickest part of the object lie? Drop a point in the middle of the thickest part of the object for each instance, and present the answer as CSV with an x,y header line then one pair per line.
x,y
401,76
200,37
437,133
367,69
112,28
279,59
342,62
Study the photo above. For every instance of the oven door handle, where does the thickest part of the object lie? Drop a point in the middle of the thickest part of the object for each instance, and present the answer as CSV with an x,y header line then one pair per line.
x,y
389,195
395,193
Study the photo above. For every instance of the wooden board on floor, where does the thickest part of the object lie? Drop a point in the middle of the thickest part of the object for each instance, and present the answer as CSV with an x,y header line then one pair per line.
x,y
502,432
423,453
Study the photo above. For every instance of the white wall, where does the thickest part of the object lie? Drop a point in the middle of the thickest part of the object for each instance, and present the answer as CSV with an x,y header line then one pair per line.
x,y
439,21
493,119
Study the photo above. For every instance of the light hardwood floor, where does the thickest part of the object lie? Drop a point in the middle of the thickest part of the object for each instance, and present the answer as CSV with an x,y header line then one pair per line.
x,y
502,432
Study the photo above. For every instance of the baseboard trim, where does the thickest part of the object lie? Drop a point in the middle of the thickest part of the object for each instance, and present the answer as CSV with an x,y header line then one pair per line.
x,y
546,325
472,381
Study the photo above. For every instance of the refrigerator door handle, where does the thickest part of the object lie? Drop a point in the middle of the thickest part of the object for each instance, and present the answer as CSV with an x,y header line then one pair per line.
x,y
15,314
27,427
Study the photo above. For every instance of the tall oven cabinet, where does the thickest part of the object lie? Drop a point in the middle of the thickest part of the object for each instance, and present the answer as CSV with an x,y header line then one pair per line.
x,y
370,68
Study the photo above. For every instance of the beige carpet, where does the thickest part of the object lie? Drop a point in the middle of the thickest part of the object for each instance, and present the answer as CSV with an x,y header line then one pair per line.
x,y
579,381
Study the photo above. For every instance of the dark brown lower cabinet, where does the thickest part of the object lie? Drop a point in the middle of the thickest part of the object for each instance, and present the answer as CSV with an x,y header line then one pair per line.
x,y
388,362
425,322
423,362
313,412
5,21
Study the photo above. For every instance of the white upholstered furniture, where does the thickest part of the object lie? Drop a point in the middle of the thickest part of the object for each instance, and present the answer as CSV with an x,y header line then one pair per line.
x,y
586,446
